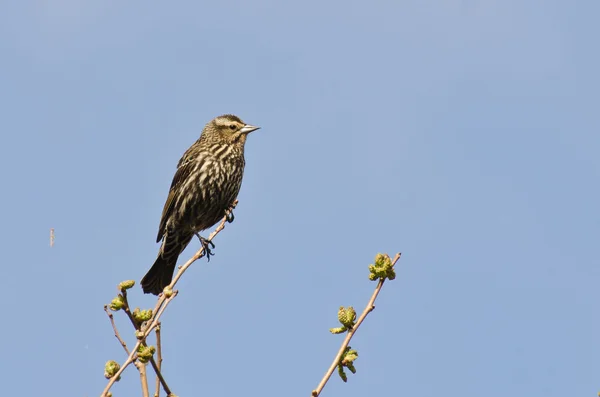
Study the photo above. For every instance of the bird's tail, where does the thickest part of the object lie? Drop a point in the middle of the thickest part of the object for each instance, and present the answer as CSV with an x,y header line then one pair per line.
x,y
161,272
159,275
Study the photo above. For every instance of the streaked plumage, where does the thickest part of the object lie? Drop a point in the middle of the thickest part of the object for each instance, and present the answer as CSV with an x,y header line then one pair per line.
x,y
205,185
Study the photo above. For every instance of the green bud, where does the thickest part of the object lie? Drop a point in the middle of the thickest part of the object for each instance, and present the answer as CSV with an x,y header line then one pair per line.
x,y
168,292
145,353
142,315
382,260
127,284
117,304
109,394
139,334
347,316
338,330
111,368
382,268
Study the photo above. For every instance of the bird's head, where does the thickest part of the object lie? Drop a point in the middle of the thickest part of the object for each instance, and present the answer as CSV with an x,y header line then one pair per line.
x,y
228,128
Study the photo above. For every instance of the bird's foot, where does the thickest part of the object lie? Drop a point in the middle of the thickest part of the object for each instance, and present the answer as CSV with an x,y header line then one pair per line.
x,y
207,245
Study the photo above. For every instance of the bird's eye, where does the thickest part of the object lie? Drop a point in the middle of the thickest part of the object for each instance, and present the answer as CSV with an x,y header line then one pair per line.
x,y
232,127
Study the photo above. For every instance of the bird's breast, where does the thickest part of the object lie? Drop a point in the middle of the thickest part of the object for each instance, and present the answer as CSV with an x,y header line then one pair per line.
x,y
219,182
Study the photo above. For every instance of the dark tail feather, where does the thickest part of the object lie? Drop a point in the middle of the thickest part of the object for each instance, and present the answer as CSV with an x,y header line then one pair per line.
x,y
159,275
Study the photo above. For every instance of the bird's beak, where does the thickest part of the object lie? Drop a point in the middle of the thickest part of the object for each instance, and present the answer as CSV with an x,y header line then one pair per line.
x,y
248,129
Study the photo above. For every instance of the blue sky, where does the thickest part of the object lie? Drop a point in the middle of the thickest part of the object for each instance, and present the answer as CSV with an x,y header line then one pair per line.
x,y
462,133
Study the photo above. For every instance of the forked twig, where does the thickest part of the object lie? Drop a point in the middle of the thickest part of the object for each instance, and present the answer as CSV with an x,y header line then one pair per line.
x,y
137,327
161,304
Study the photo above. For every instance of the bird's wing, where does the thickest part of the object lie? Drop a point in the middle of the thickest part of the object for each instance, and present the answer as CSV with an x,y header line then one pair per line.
x,y
185,166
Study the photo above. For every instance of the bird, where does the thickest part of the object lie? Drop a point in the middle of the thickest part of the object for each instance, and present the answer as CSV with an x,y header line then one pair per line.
x,y
204,187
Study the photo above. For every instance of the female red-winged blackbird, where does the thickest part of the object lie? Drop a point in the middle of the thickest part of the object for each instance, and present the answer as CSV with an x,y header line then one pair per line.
x,y
205,185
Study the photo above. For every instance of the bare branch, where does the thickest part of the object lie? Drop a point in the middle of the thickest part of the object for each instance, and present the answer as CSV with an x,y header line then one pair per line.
x,y
161,304
159,377
144,380
132,356
112,322
158,358
137,327
368,309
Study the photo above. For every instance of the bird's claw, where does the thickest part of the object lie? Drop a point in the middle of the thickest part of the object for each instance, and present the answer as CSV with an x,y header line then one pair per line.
x,y
207,245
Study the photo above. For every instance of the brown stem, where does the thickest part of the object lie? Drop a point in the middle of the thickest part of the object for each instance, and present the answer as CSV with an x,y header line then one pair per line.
x,y
159,377
158,358
146,332
137,326
114,326
144,380
160,307
368,309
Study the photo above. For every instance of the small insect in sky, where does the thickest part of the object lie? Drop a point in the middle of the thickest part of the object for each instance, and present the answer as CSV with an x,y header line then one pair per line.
x,y
51,237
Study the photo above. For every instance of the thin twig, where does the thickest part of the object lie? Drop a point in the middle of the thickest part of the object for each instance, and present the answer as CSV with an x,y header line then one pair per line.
x,y
137,326
127,310
112,321
158,358
144,380
160,307
159,376
132,355
351,332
